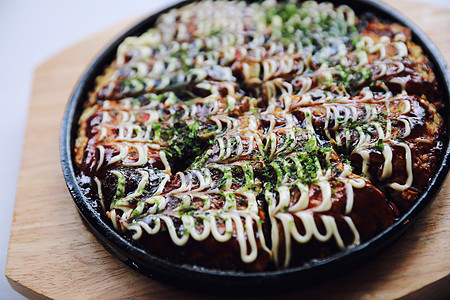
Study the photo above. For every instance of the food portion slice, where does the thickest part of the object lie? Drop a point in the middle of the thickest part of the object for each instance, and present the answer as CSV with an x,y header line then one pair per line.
x,y
189,51
396,63
392,140
316,205
169,179
338,211
208,217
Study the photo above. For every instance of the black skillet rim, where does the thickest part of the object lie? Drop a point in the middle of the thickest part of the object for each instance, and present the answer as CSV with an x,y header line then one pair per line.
x,y
192,276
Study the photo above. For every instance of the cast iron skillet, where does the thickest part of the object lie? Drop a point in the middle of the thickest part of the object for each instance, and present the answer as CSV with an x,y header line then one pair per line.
x,y
188,276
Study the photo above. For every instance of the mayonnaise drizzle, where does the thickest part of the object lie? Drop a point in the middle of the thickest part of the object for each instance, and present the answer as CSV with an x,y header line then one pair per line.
x,y
218,41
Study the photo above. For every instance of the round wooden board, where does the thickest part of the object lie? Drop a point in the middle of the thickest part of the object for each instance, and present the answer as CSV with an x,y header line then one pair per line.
x,y
52,254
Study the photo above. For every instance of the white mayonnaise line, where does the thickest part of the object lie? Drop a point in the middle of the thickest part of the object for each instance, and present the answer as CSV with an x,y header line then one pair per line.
x,y
142,156
307,219
148,229
327,120
127,131
135,227
368,95
125,116
179,241
353,114
407,127
387,166
400,67
240,145
230,200
186,202
272,143
165,162
113,218
183,186
406,103
352,226
250,146
228,229
193,110
422,140
103,133
350,197
252,205
221,143
106,118
229,147
325,188
245,256
303,201
259,144
189,224
141,186
269,68
388,129
148,131
159,203
306,85
218,123
126,103
402,50
362,58
162,184
201,181
382,72
122,154
400,81
101,153
283,198
99,192
365,154
287,100
379,129
409,180
336,117
153,116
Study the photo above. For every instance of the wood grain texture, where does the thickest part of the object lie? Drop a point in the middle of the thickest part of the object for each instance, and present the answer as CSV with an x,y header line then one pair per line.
x,y
52,254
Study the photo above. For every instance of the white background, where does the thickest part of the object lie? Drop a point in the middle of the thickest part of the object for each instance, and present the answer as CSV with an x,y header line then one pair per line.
x,y
30,33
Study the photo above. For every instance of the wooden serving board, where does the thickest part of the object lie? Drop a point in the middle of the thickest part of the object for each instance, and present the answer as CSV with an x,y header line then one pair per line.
x,y
52,254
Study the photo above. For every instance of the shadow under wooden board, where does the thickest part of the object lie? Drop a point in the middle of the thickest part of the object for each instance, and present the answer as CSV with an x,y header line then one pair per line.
x,y
52,254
